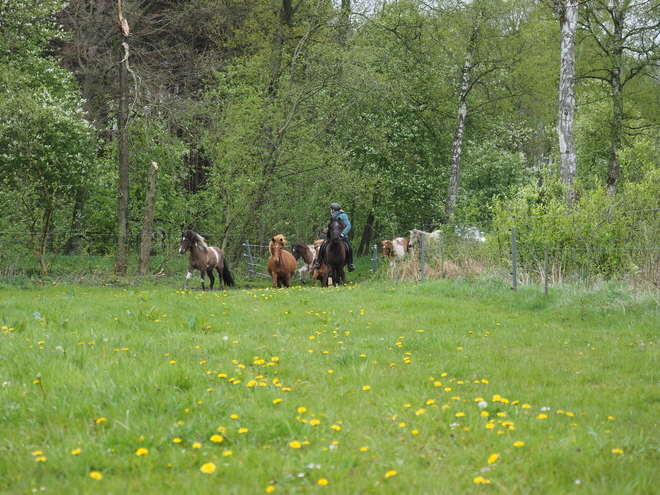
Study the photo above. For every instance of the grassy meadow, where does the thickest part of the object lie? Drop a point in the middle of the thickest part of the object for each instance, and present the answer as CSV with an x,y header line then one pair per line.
x,y
451,386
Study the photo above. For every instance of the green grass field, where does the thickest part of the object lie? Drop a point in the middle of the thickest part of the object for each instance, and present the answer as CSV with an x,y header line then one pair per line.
x,y
442,387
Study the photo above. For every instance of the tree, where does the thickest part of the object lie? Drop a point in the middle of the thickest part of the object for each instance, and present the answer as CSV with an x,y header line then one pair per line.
x,y
45,143
567,10
621,44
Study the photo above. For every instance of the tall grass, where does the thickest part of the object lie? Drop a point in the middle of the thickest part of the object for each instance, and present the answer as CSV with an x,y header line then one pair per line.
x,y
442,387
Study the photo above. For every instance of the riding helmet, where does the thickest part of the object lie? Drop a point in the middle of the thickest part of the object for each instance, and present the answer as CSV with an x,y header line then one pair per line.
x,y
335,206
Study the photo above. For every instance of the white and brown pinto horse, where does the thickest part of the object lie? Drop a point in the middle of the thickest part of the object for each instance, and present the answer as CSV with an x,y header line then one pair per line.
x,y
308,253
205,259
281,264
395,249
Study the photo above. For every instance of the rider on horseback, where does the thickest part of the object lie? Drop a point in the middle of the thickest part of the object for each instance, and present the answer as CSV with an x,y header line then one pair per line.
x,y
337,212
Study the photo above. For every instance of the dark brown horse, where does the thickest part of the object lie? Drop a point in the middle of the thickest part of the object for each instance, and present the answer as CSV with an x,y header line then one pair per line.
x,y
205,259
335,252
281,264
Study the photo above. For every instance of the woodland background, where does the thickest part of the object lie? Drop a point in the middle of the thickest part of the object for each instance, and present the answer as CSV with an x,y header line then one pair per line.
x,y
260,113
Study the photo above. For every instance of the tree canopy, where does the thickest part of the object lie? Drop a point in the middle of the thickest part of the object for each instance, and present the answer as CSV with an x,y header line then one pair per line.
x,y
260,113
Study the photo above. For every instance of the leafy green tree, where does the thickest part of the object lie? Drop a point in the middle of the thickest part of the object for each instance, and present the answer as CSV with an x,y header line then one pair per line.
x,y
620,46
46,144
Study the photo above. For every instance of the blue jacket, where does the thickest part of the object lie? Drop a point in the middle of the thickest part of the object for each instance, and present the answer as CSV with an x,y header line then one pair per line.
x,y
344,218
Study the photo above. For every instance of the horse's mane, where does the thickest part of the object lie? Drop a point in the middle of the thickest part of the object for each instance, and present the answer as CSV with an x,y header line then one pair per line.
x,y
198,239
279,239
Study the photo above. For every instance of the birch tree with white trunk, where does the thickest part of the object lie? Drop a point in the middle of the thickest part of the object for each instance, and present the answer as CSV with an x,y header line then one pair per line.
x,y
567,10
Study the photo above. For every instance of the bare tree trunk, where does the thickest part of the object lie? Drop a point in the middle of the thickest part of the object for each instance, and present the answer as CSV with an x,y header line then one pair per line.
x,y
147,226
367,235
454,173
121,256
568,16
617,101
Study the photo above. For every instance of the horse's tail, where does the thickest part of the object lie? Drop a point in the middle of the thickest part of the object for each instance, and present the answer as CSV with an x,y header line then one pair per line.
x,y
226,276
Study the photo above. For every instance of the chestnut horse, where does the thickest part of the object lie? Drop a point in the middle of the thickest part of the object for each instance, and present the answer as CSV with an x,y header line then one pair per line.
x,y
281,264
205,259
335,252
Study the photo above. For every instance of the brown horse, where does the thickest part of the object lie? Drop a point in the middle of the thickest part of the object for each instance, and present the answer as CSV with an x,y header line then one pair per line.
x,y
322,273
205,259
335,252
281,264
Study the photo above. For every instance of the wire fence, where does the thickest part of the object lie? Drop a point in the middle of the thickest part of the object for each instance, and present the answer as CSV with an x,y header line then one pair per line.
x,y
545,250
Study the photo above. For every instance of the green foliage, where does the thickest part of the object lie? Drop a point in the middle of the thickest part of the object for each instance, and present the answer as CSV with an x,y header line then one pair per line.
x,y
287,388
600,237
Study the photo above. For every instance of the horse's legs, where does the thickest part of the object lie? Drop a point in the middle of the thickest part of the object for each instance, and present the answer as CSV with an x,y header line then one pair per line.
x,y
211,278
275,281
188,275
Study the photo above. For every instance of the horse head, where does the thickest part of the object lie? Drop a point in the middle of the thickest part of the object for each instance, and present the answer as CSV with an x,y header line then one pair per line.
x,y
335,228
188,239
276,245
388,247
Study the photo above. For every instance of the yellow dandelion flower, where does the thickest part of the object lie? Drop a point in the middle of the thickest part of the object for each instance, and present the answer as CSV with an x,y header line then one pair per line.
x,y
76,451
493,458
366,387
98,421
295,444
481,480
196,445
95,475
314,422
207,468
177,440
322,482
526,406
243,430
302,409
391,473
234,416
216,438
419,412
617,451
336,427
277,401
41,458
519,443
141,451
460,414
364,449
270,489
227,453
542,416
490,425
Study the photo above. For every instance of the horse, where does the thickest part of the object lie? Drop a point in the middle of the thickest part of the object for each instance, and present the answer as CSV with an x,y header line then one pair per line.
x,y
395,248
205,259
322,273
335,252
281,264
307,252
